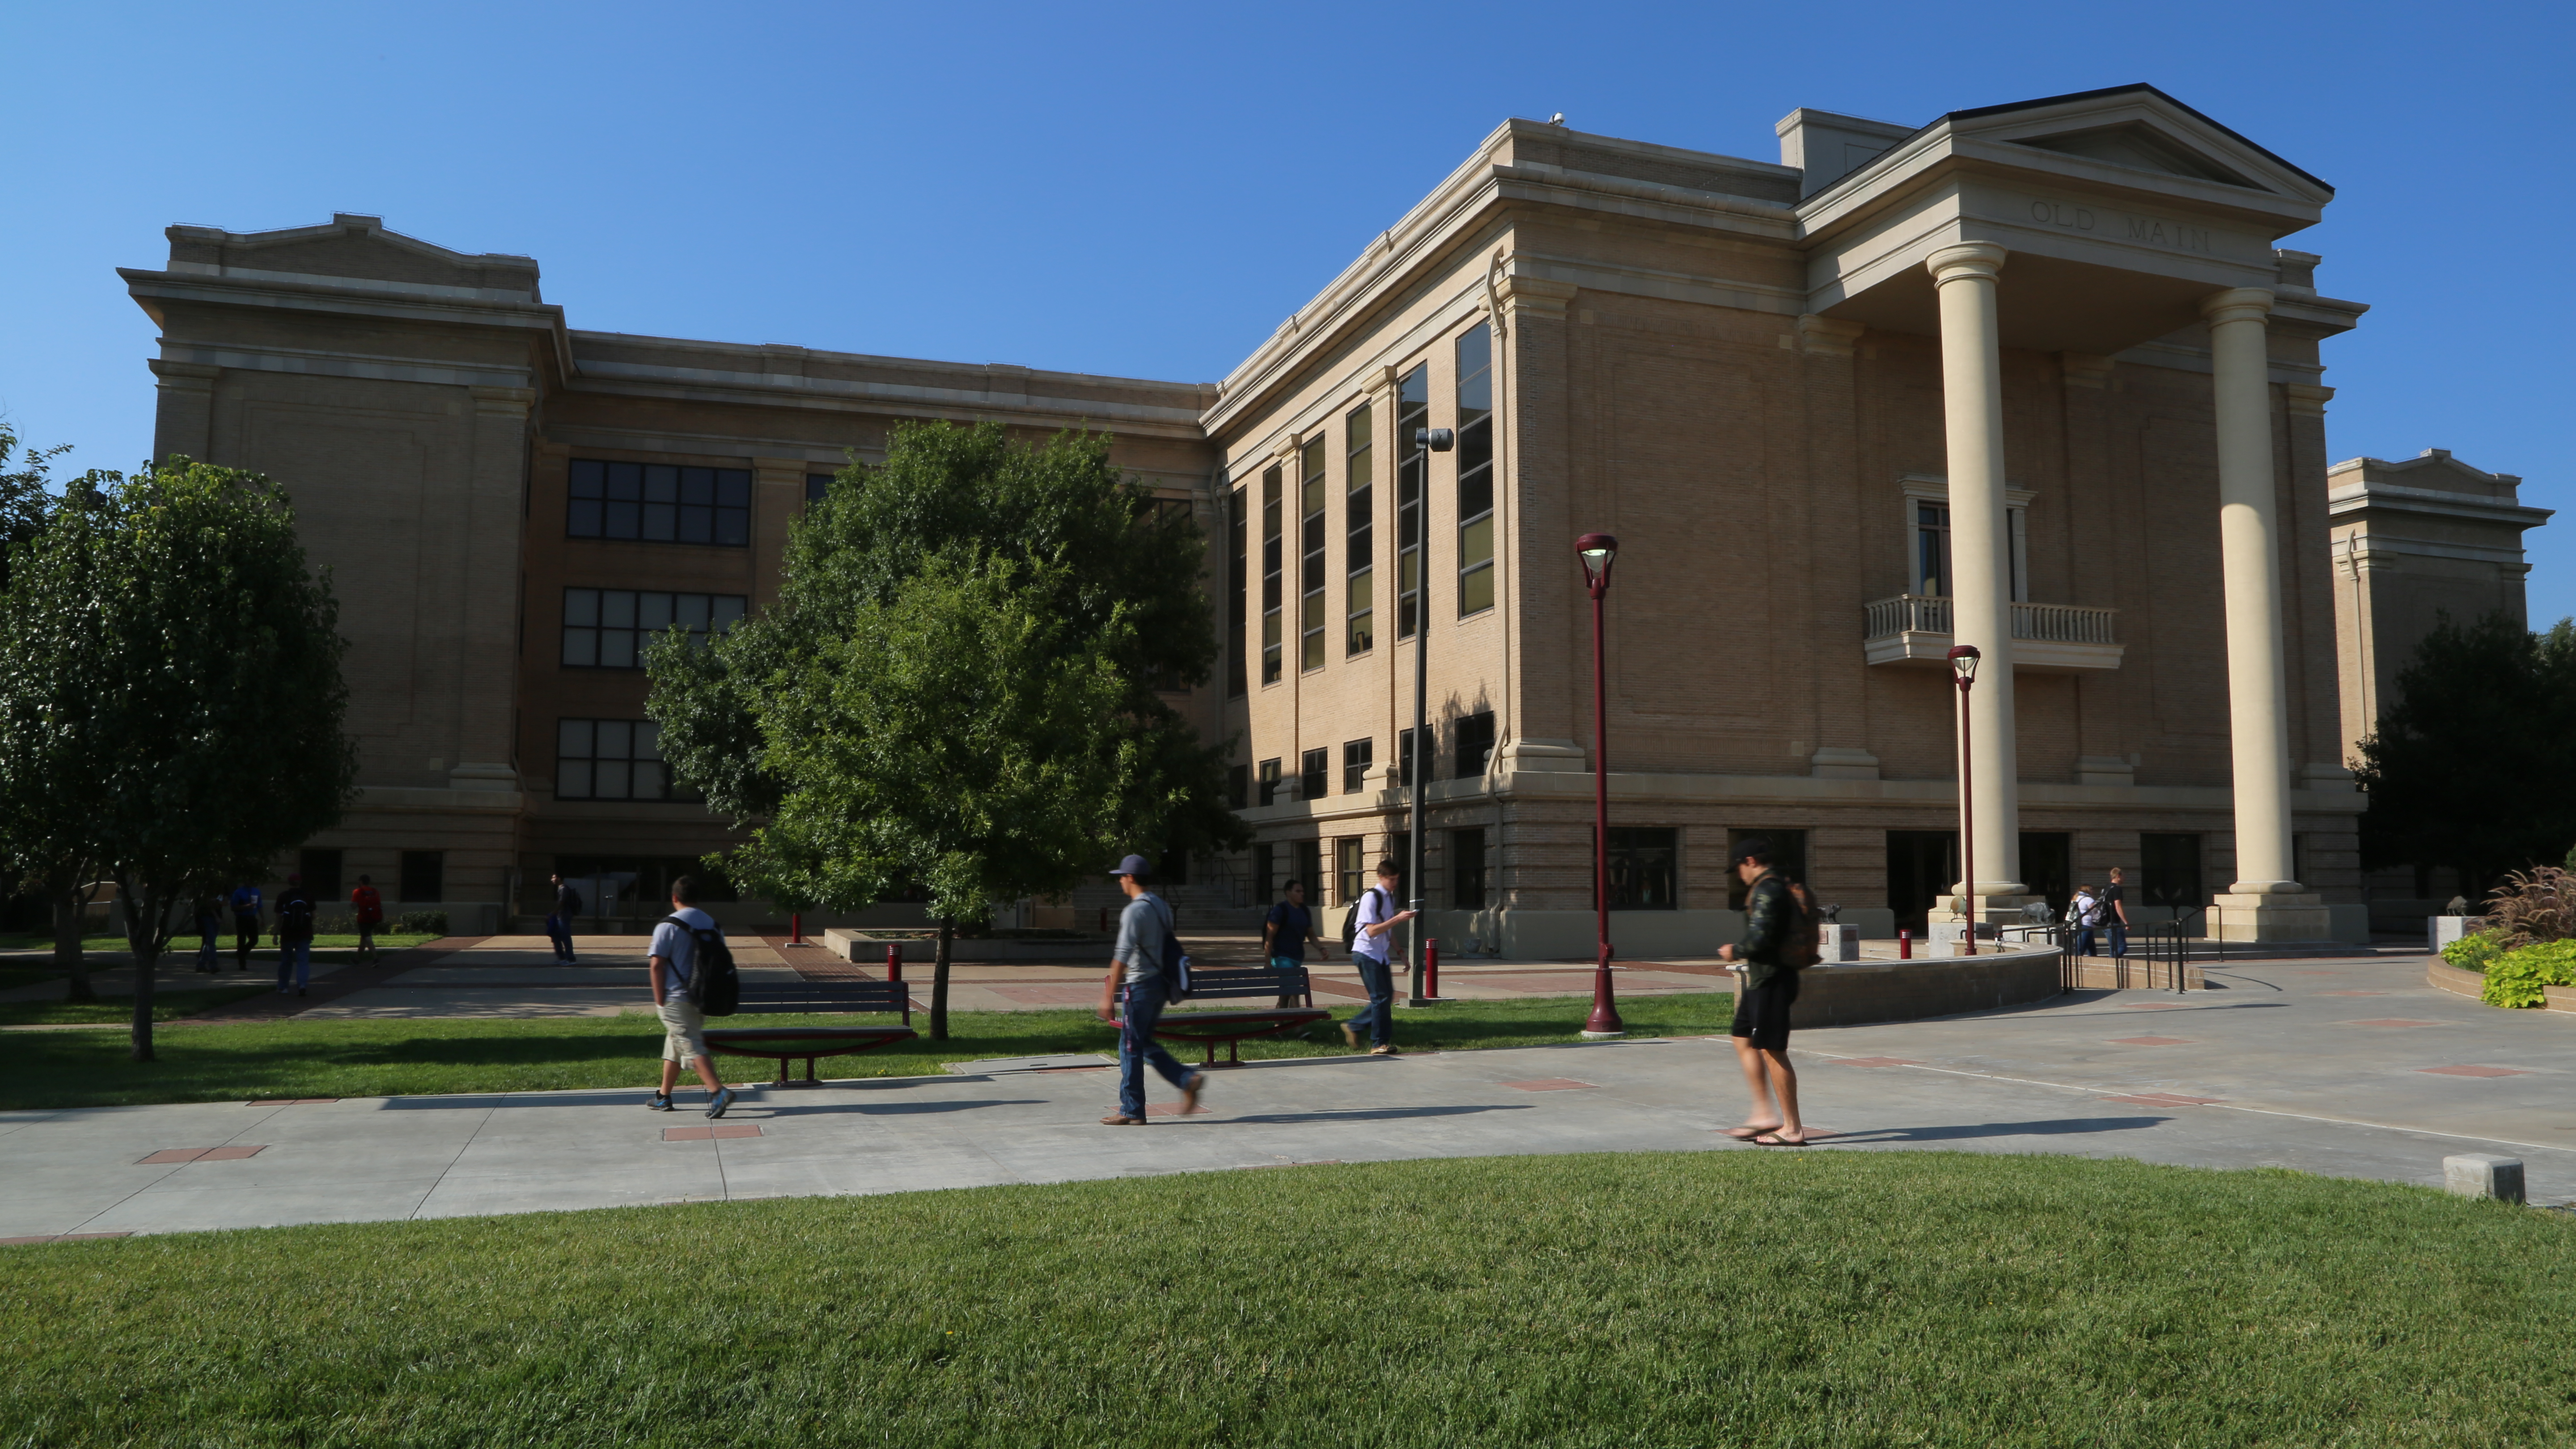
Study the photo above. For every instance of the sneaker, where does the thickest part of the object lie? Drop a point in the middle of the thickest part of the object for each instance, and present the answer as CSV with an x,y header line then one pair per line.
x,y
661,1102
1120,1119
1385,1051
722,1100
300,991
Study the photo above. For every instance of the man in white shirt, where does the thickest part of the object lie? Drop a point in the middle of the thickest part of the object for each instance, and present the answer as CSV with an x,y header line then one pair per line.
x,y
1371,945
684,1027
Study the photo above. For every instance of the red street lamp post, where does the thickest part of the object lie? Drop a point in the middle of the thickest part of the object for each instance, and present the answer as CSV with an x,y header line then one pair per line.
x,y
1963,664
1599,551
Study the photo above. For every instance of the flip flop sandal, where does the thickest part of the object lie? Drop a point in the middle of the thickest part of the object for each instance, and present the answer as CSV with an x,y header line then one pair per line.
x,y
1747,1134
1774,1139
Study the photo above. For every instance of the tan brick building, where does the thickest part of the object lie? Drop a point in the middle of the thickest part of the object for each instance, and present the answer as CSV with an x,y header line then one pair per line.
x,y
2034,377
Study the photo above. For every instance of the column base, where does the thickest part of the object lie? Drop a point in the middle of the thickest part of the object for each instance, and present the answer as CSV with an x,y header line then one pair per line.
x,y
2293,917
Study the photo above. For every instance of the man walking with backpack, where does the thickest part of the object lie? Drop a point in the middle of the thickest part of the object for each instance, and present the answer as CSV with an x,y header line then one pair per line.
x,y
1367,932
688,950
368,903
559,924
2085,911
294,936
1144,971
1779,939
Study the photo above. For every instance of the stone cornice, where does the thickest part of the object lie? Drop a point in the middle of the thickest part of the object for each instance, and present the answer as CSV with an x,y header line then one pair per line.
x,y
2354,498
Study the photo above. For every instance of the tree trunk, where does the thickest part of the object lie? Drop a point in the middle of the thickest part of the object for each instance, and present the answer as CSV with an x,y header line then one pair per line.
x,y
70,904
147,960
939,980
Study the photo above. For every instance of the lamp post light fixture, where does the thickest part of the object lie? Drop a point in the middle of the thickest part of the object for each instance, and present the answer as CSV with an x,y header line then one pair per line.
x,y
1963,664
1599,551
1418,768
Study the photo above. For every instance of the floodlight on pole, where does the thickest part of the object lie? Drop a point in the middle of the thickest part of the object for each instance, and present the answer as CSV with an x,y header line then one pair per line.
x,y
1599,551
1963,665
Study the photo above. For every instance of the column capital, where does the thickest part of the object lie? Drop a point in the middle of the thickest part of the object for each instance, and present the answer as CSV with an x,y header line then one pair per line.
x,y
1829,336
2237,304
1967,259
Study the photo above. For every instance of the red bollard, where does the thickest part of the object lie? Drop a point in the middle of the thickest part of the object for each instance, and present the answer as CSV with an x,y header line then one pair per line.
x,y
1905,945
796,929
894,964
1431,967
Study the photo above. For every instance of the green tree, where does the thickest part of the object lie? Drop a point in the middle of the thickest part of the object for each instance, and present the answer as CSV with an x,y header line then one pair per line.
x,y
172,668
957,694
2473,765
42,846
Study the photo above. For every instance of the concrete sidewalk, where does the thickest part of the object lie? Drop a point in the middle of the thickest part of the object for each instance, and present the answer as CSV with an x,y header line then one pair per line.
x,y
2348,1068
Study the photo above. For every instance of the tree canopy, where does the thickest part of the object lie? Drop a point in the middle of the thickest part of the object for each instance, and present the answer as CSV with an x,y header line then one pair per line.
x,y
957,694
2473,763
170,692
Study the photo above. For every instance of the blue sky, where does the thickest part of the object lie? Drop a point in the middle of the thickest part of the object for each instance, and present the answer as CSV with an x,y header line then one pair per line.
x,y
1148,189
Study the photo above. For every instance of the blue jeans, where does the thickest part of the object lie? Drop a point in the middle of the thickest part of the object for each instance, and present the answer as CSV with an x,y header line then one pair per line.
x,y
559,931
296,957
1379,977
2119,940
206,950
1136,1047
2084,941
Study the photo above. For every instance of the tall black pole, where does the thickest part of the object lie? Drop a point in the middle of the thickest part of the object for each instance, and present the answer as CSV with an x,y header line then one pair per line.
x,y
1418,768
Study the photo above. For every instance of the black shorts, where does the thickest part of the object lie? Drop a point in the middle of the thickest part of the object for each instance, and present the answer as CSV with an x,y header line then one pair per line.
x,y
1762,1012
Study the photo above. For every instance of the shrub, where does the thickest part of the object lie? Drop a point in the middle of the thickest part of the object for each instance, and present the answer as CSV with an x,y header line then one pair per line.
x,y
2515,978
335,925
411,923
2532,905
2475,952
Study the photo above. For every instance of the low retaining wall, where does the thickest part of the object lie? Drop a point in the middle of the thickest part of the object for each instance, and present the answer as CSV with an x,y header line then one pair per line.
x,y
2444,976
1855,994
867,950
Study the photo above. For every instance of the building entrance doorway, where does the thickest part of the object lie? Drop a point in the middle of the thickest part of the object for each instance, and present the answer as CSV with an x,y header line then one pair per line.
x,y
1921,866
2048,866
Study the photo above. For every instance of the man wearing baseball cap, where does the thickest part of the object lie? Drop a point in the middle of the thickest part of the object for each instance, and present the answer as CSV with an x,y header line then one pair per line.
x,y
1141,965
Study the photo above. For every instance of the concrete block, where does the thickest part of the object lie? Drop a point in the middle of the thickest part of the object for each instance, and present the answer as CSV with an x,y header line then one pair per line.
x,y
2443,930
1839,943
2480,1174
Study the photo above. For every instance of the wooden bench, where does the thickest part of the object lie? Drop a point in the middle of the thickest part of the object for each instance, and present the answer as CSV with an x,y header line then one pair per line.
x,y
1232,1027
789,1042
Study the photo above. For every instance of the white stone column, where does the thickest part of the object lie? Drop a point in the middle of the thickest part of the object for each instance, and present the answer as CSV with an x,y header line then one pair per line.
x,y
1972,405
2265,903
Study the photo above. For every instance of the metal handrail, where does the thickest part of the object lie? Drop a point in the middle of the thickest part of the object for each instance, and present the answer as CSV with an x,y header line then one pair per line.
x,y
2039,623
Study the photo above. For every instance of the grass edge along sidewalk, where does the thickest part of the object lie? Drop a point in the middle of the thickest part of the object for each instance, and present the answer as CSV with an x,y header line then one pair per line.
x,y
438,1056
1730,1296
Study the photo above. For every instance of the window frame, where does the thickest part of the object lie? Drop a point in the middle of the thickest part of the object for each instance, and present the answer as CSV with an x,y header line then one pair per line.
x,y
1359,525
1923,490
643,735
1412,490
615,500
599,604
1357,757
1314,773
1312,518
1478,517
1467,868
1273,578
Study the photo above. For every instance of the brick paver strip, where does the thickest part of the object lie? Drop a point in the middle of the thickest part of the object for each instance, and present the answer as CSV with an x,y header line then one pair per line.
x,y
1553,1084
1875,1062
327,989
712,1130
2391,1021
201,1154
2474,1071
2149,1041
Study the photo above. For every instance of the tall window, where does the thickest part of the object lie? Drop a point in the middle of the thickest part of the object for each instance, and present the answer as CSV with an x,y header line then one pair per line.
x,y
1314,775
1932,576
1271,563
608,628
1269,782
1412,468
1357,756
817,485
1404,753
1351,864
1310,555
1238,609
1475,743
424,875
1238,786
659,503
1359,518
612,759
1643,869
1467,869
1306,863
1475,470
2169,872
1265,872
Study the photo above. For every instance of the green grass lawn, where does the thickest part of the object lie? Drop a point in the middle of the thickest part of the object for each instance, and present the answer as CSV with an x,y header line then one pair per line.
x,y
1727,1297
399,1058
166,1006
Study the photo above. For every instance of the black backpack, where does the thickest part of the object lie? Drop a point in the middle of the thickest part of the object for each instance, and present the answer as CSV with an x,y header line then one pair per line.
x,y
715,987
1175,963
294,918
1351,919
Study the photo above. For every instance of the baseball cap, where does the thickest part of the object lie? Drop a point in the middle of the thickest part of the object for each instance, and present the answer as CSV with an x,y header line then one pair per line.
x,y
1133,865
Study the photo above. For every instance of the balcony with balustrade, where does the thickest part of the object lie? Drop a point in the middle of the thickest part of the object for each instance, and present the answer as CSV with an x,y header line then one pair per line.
x,y
2047,638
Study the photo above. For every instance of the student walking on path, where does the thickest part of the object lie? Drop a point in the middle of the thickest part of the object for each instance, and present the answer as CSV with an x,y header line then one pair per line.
x,y
1767,986
1285,934
294,937
1140,975
210,927
684,1026
559,924
2085,911
1372,919
369,904
245,904
2116,916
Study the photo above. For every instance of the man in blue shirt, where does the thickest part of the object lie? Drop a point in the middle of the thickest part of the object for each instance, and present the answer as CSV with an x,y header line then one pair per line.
x,y
1285,934
1372,941
1138,976
245,903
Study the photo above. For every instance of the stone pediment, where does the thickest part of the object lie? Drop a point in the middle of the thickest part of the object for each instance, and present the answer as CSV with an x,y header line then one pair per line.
x,y
352,250
2136,144
2139,128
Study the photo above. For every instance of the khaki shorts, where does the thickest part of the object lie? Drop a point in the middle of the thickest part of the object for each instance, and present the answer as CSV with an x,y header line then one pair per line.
x,y
685,1030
